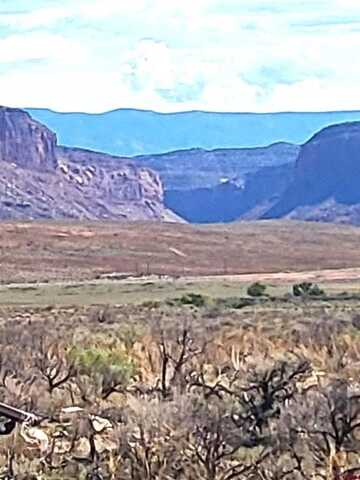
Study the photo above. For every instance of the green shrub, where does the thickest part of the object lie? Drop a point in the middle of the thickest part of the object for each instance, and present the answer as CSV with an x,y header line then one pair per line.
x,y
307,289
256,289
194,299
316,291
105,361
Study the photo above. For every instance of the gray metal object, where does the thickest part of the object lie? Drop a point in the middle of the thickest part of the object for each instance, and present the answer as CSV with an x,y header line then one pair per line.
x,y
17,415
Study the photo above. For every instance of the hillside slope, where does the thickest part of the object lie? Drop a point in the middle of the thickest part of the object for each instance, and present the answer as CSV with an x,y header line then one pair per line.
x,y
36,251
326,179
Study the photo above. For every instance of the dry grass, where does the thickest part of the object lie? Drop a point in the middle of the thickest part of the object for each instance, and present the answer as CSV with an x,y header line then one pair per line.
x,y
230,348
53,251
123,293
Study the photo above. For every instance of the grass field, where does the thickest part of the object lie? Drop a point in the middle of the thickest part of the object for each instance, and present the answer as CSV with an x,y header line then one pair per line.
x,y
118,293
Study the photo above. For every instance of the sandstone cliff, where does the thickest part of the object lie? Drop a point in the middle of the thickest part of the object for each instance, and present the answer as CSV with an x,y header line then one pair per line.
x,y
25,142
40,179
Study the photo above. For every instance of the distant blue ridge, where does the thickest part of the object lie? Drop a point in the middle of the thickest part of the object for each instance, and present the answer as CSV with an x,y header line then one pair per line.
x,y
127,132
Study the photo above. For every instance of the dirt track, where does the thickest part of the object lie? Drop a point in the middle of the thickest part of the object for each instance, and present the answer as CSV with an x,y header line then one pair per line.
x,y
341,274
328,276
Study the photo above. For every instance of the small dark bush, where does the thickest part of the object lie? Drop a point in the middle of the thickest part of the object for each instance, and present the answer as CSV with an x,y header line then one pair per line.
x,y
194,299
235,303
103,315
307,289
356,322
256,290
151,304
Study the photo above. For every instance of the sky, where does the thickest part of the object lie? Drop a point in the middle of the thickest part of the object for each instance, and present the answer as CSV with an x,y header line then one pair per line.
x,y
179,55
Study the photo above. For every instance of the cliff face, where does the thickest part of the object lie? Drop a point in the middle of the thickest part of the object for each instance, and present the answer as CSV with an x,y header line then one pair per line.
x,y
25,142
326,180
221,185
331,161
40,179
200,169
117,179
322,185
228,201
207,205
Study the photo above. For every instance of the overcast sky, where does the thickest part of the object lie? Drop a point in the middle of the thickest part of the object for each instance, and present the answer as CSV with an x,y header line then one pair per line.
x,y
176,55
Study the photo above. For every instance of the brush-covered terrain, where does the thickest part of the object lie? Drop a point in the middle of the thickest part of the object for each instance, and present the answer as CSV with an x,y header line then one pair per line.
x,y
248,374
183,389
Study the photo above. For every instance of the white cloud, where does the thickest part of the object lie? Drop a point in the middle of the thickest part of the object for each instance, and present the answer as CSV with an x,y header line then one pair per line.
x,y
40,46
107,8
177,55
36,18
78,9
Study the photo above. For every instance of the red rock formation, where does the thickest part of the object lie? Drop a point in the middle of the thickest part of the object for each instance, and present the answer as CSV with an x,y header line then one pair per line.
x,y
39,179
25,142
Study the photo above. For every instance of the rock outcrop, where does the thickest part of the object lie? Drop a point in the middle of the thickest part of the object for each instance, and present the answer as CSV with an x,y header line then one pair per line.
x,y
25,142
229,201
199,168
221,185
322,185
326,179
40,179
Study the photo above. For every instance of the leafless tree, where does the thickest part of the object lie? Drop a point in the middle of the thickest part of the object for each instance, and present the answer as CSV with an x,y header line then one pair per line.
x,y
55,367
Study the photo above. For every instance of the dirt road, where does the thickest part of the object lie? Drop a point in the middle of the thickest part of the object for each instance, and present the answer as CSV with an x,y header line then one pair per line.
x,y
329,275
